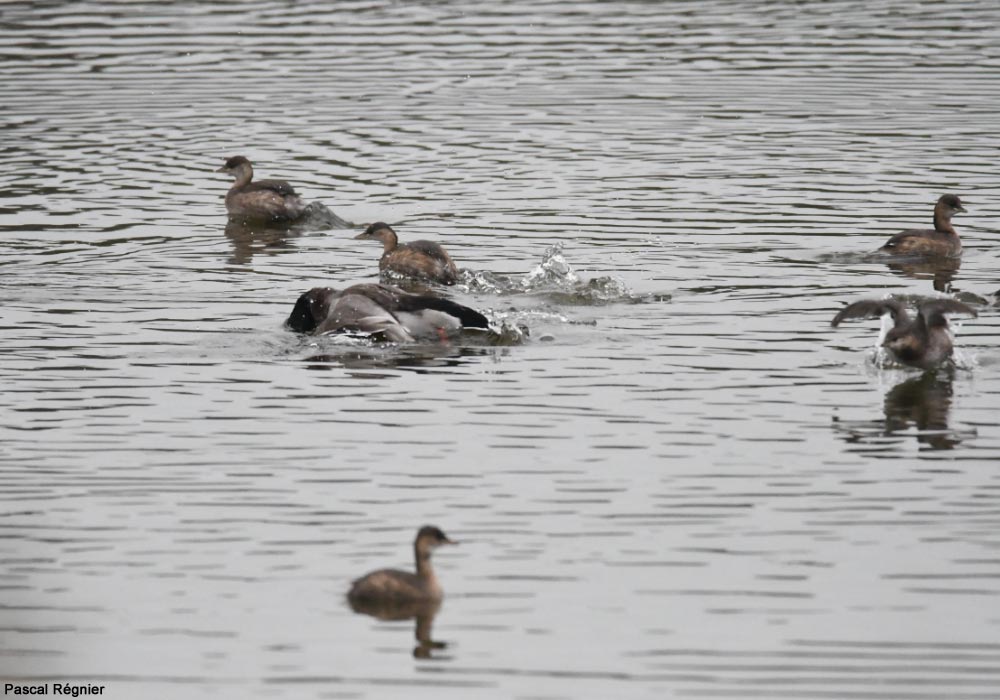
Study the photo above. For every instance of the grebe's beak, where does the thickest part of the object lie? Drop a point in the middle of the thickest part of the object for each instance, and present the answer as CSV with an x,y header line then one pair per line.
x,y
362,236
960,208
448,541
223,169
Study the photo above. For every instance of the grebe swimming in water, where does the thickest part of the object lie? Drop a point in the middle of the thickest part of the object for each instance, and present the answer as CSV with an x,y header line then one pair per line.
x,y
424,260
393,585
923,341
264,200
383,311
942,240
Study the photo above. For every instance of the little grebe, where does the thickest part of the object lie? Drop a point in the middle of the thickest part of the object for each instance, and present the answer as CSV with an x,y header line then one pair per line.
x,y
400,586
264,200
942,240
425,260
923,341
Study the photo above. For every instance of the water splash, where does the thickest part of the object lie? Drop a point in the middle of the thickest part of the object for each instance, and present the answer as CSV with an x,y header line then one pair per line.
x,y
318,217
486,282
554,280
966,361
506,332
554,271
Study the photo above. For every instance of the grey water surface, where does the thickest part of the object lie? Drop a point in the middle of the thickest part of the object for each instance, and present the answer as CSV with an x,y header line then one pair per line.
x,y
681,483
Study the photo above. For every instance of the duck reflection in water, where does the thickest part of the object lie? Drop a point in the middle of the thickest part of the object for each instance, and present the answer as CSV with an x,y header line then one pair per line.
x,y
421,359
393,594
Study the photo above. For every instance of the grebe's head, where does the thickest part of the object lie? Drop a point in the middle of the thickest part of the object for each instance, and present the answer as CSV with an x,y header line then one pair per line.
x,y
904,344
950,205
379,231
234,165
430,537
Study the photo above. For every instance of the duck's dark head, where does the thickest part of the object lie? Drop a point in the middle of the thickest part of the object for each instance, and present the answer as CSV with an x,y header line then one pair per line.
x,y
311,309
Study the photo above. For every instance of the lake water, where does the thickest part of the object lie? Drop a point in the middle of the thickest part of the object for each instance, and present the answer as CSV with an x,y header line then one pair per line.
x,y
682,483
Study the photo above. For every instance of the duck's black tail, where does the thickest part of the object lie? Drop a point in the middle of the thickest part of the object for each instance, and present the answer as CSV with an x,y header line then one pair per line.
x,y
469,318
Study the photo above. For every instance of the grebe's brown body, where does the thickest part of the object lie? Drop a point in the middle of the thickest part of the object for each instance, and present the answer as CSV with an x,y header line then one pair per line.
x,y
941,241
422,260
261,201
394,585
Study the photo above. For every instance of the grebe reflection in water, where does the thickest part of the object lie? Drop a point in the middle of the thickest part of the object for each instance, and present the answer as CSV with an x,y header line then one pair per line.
x,y
422,612
925,403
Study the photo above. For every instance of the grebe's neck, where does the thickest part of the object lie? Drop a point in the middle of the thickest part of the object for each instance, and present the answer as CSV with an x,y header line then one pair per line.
x,y
243,175
942,220
423,559
389,240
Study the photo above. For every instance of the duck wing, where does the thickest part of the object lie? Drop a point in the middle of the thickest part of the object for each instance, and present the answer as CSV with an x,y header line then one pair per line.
x,y
362,308
873,308
378,310
396,301
357,308
468,318
381,294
